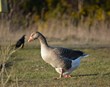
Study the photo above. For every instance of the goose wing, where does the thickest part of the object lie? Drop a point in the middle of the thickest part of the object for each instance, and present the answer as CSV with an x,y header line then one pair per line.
x,y
68,53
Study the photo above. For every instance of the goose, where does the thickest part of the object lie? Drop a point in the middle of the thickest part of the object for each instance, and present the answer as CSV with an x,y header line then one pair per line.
x,y
64,60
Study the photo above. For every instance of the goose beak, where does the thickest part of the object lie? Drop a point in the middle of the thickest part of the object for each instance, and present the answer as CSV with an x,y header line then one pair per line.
x,y
30,39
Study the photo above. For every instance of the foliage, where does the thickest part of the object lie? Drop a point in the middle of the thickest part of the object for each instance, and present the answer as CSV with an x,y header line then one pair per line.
x,y
28,12
59,6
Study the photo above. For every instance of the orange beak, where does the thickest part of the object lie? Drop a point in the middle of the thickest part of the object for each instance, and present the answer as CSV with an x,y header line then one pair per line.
x,y
30,39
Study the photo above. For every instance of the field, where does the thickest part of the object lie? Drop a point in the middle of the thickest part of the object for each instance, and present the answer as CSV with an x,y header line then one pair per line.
x,y
27,69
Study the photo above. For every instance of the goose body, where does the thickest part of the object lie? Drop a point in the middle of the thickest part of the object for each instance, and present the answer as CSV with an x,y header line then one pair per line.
x,y
64,60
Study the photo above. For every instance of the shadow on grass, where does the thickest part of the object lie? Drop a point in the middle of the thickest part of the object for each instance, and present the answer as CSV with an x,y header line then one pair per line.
x,y
81,75
95,74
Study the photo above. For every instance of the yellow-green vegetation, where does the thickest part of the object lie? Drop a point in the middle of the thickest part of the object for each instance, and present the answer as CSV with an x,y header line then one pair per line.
x,y
29,70
28,12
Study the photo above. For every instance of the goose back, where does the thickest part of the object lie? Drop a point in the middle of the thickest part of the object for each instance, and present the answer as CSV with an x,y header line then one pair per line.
x,y
68,53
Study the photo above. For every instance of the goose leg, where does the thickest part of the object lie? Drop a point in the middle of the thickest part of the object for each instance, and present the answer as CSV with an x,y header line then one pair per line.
x,y
67,76
61,75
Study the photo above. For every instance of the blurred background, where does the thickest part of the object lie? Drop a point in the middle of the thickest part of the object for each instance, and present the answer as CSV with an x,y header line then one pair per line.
x,y
70,22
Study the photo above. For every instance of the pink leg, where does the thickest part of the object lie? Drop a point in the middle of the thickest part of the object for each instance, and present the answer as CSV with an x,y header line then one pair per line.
x,y
67,76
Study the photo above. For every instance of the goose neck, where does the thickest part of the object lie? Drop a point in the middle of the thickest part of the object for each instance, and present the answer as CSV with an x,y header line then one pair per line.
x,y
43,41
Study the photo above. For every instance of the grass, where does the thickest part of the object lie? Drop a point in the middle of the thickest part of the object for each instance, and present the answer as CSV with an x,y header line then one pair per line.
x,y
29,70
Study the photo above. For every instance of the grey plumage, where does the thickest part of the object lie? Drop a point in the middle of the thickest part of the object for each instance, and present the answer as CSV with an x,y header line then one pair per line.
x,y
69,53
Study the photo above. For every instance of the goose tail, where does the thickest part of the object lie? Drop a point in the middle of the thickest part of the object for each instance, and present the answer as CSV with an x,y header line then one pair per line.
x,y
84,55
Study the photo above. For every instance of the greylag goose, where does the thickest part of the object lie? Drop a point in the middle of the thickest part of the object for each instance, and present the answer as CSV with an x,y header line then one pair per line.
x,y
64,60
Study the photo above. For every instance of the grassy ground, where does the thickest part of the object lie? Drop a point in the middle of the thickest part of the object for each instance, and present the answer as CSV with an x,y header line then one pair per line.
x,y
27,69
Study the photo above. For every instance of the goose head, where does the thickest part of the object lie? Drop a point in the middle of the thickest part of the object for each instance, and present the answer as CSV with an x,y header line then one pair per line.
x,y
34,36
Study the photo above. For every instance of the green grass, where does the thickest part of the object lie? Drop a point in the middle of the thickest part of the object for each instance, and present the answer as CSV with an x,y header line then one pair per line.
x,y
29,70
